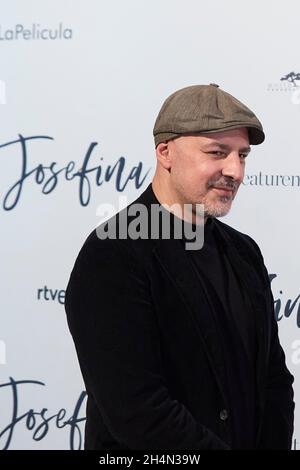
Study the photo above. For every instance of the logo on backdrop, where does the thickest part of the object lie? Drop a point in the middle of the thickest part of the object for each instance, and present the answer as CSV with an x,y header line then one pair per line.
x,y
285,307
49,175
287,82
264,179
39,422
53,295
292,77
34,32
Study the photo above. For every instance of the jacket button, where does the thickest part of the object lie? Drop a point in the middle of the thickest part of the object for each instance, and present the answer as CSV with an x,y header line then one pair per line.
x,y
223,415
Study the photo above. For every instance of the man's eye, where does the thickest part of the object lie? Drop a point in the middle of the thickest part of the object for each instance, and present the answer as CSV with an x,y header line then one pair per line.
x,y
244,155
218,153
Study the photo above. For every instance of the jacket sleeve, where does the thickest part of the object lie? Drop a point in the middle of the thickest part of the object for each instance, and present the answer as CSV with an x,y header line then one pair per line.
x,y
113,324
278,417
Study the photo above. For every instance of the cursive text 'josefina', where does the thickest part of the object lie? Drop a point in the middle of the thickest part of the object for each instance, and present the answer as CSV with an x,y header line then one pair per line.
x,y
39,422
47,176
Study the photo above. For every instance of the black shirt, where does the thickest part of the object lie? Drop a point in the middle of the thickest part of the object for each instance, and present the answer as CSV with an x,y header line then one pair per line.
x,y
235,324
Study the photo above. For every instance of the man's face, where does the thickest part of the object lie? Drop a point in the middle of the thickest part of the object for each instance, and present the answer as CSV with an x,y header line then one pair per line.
x,y
208,168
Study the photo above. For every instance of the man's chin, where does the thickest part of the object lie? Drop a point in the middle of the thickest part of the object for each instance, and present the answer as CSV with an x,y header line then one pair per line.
x,y
217,210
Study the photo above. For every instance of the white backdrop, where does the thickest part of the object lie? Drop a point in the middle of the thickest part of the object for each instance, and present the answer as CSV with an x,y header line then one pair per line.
x,y
82,82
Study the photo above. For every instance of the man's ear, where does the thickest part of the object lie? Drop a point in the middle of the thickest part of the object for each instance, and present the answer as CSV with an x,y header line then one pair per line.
x,y
163,155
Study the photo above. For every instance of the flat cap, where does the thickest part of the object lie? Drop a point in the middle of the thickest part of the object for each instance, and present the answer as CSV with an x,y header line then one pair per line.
x,y
204,108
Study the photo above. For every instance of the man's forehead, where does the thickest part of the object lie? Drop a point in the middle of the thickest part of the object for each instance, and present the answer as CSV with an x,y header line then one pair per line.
x,y
222,146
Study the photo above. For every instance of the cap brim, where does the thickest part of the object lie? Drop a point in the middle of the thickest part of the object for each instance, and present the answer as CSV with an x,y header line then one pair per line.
x,y
256,135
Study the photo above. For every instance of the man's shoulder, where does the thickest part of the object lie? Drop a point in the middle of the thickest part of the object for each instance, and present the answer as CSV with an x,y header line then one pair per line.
x,y
109,233
111,243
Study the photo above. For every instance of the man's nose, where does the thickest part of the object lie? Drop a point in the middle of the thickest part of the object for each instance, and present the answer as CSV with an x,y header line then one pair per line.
x,y
234,167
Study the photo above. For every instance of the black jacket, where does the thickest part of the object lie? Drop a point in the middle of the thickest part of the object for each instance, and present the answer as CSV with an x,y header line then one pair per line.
x,y
152,365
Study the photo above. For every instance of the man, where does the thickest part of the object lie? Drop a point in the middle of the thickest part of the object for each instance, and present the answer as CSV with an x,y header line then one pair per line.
x,y
179,347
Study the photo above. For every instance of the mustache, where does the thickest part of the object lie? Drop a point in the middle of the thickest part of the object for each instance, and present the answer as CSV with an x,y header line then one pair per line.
x,y
224,183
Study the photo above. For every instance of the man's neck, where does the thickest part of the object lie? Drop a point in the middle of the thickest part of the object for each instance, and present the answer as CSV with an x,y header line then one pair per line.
x,y
171,202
